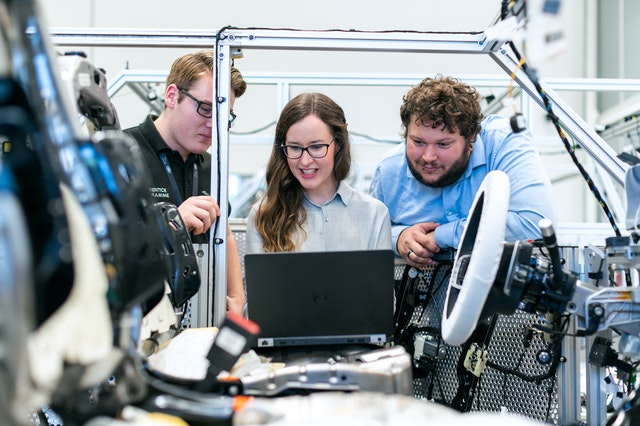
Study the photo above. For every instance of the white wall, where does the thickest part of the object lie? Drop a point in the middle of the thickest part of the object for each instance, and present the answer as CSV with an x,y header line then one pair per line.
x,y
370,111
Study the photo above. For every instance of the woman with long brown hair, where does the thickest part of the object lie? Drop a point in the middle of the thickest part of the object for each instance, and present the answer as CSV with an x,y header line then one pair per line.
x,y
308,206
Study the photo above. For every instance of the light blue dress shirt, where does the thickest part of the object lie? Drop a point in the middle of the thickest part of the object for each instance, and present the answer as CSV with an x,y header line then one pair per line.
x,y
349,221
496,148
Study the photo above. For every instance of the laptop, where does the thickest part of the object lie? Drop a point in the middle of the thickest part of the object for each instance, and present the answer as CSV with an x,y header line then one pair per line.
x,y
321,298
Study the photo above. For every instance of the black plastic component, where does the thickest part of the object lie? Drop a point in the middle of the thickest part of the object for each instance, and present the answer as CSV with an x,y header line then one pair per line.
x,y
180,259
445,255
237,334
518,123
602,355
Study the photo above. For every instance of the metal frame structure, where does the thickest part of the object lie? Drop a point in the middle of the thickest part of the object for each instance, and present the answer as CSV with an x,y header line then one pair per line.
x,y
225,40
136,79
398,42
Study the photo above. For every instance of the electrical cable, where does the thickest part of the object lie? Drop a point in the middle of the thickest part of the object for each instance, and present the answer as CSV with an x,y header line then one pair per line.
x,y
407,329
556,122
351,31
253,132
402,296
505,377
362,135
443,400
563,136
562,322
371,138
504,9
431,289
467,380
549,400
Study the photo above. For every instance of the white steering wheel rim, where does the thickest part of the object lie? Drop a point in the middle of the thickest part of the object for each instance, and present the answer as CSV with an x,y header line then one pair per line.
x,y
482,240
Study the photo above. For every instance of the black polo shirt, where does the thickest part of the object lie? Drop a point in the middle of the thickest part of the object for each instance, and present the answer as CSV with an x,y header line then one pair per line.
x,y
188,178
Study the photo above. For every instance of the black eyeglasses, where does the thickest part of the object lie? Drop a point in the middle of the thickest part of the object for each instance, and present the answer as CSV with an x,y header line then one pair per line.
x,y
205,109
317,150
232,117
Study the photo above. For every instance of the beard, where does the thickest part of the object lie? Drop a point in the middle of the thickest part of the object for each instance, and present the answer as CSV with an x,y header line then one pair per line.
x,y
455,171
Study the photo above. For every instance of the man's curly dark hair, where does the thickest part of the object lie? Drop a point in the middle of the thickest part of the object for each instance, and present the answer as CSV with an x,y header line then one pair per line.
x,y
443,102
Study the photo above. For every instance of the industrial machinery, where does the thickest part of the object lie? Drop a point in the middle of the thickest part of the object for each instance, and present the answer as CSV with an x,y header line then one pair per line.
x,y
85,251
514,277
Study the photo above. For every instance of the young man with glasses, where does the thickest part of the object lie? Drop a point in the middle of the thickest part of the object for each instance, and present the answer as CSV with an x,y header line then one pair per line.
x,y
308,206
174,145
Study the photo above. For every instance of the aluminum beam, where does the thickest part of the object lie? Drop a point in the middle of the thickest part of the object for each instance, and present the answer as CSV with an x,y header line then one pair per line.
x,y
122,37
123,78
569,378
332,40
219,182
356,41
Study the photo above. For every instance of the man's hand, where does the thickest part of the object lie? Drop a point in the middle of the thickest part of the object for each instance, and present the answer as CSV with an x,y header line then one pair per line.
x,y
417,245
199,213
235,305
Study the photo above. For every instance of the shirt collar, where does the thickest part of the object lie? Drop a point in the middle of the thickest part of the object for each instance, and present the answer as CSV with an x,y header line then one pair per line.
x,y
344,194
478,156
155,139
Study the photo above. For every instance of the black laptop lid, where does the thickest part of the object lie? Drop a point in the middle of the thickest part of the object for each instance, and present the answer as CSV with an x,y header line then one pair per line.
x,y
321,297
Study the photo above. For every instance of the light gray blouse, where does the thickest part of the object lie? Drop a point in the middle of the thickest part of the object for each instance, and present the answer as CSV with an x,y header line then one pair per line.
x,y
351,220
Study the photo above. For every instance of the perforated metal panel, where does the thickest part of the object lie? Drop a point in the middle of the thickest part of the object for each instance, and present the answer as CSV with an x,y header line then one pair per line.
x,y
440,382
241,243
512,347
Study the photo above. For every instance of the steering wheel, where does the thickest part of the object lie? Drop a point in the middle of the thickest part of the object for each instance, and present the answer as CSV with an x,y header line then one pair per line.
x,y
477,259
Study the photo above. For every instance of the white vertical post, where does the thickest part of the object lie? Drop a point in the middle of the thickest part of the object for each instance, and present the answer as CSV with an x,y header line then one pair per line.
x,y
219,179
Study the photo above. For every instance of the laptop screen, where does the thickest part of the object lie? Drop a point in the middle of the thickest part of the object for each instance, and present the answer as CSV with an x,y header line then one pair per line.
x,y
321,297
